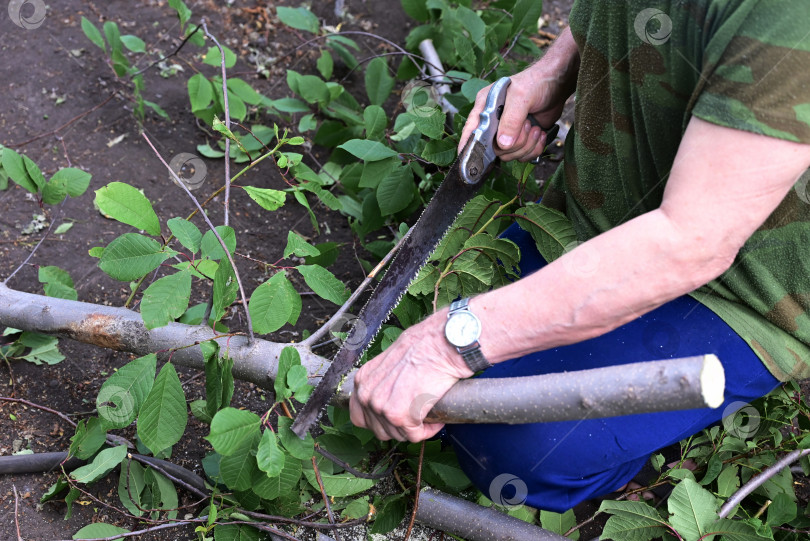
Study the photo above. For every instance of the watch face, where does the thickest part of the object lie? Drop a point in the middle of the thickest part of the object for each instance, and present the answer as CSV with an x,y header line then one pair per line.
x,y
462,329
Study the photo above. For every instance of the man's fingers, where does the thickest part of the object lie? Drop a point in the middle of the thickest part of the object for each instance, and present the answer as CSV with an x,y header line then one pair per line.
x,y
515,111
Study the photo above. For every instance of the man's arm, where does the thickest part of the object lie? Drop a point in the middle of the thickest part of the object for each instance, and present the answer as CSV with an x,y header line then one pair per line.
x,y
724,183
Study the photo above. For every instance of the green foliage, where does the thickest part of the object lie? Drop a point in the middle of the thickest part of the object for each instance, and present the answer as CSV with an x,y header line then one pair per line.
x,y
25,173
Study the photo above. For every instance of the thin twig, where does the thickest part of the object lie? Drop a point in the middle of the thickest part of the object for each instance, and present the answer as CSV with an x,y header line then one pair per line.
x,y
45,236
177,50
227,122
323,495
759,480
147,530
326,327
418,488
16,511
357,473
213,229
65,125
59,414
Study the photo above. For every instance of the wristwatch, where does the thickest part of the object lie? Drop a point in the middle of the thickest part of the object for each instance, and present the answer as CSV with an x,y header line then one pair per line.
x,y
462,330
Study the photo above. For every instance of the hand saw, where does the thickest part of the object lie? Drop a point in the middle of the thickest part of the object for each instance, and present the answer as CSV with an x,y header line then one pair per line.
x,y
459,186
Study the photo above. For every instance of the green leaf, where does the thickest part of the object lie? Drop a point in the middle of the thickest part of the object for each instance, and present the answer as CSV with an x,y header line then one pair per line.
x,y
225,289
186,232
289,358
89,438
236,532
432,124
113,37
54,192
299,18
557,522
357,509
131,485
329,252
473,24
693,510
183,13
395,191
126,204
123,394
214,58
270,488
739,530
74,179
525,14
244,91
390,514
270,458
103,464
218,379
238,470
58,283
164,495
266,198
632,521
131,256
14,166
44,349
231,429
163,417
379,83
273,304
551,230
133,43
63,228
210,246
298,246
339,485
376,121
325,64
416,9
440,151
324,283
297,447
368,150
166,299
93,34
728,481
99,529
200,92
209,152
782,510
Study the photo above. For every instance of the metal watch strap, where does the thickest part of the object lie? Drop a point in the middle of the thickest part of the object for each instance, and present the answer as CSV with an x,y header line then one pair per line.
x,y
471,354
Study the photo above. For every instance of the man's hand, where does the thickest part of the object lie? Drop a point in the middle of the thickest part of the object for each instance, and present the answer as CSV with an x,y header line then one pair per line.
x,y
540,90
395,391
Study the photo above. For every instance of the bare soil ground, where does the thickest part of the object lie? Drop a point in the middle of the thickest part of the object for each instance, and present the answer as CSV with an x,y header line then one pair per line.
x,y
53,75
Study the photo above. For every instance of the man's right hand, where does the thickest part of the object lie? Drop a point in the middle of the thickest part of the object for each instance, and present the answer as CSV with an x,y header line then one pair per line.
x,y
541,91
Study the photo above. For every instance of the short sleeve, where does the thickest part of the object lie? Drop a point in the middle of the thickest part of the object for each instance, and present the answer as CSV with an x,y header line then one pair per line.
x,y
757,71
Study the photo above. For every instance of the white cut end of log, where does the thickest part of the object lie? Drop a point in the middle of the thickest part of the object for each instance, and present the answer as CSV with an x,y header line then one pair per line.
x,y
712,381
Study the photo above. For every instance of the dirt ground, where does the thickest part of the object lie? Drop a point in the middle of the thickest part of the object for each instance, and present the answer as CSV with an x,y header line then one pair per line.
x,y
52,75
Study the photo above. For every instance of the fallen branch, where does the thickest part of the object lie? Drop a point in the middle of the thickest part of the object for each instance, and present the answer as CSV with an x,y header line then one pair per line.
x,y
622,390
474,522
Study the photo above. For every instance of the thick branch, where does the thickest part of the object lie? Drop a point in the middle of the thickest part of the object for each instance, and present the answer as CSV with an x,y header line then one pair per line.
x,y
623,390
474,522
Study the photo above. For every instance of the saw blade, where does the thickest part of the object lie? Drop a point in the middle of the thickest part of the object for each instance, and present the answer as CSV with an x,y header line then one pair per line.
x,y
448,202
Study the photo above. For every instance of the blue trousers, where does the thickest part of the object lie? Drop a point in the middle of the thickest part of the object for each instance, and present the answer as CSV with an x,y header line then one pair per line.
x,y
555,466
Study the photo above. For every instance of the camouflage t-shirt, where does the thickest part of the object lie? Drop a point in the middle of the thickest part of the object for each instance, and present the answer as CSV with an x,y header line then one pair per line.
x,y
647,67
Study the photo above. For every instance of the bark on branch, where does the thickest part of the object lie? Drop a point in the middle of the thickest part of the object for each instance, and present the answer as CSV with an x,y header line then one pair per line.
x,y
693,382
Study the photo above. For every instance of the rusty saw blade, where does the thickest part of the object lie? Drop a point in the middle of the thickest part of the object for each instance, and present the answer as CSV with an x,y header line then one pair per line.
x,y
459,186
